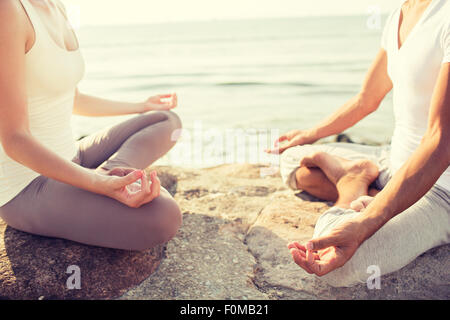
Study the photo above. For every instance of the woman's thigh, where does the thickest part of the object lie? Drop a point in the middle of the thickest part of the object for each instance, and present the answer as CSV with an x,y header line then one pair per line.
x,y
50,208
423,226
137,141
291,158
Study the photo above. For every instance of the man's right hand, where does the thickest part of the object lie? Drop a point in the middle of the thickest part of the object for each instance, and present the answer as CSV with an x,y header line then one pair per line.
x,y
291,139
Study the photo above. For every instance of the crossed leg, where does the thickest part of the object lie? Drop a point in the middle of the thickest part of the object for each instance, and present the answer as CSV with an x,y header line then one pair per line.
x,y
421,227
336,179
50,208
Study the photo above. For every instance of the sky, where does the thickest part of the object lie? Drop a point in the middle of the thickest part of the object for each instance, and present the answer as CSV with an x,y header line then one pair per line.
x,y
107,12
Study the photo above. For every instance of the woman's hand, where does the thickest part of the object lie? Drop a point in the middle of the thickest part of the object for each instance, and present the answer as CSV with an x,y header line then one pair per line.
x,y
123,185
161,102
325,254
291,139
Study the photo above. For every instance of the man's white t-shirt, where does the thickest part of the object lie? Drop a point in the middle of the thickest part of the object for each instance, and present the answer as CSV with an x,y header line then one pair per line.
x,y
414,69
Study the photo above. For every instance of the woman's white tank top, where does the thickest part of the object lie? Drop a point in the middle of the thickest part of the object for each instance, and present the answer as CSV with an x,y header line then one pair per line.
x,y
52,74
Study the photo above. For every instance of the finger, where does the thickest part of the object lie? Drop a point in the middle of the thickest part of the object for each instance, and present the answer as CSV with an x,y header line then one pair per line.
x,y
145,185
280,139
156,185
297,245
165,96
322,243
129,178
321,268
139,198
300,260
175,100
283,148
279,149
272,151
120,171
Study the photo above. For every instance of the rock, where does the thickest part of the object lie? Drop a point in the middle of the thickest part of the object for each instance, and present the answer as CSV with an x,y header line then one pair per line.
x,y
288,218
232,245
242,223
34,267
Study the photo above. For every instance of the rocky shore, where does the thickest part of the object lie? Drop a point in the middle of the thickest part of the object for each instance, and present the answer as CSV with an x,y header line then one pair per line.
x,y
232,245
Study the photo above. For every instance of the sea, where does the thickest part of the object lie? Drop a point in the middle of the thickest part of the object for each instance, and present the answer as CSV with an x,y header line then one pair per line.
x,y
250,80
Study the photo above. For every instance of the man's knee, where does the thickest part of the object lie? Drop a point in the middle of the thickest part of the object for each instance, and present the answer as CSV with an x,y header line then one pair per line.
x,y
344,276
290,162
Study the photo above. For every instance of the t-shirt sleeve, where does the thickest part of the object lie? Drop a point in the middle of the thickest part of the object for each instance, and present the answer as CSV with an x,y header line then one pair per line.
x,y
446,44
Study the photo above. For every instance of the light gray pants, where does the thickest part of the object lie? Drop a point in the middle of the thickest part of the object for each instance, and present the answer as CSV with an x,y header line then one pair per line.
x,y
50,208
423,226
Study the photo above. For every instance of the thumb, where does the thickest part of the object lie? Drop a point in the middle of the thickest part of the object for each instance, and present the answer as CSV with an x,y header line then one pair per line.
x,y
322,243
286,146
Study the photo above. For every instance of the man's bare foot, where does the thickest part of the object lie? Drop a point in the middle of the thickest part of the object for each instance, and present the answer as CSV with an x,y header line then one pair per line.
x,y
361,203
341,170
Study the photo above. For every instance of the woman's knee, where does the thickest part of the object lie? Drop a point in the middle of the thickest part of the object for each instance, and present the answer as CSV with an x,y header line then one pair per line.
x,y
162,224
174,119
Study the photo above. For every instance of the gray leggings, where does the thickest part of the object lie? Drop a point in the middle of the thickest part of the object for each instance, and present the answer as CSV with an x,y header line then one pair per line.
x,y
50,208
423,226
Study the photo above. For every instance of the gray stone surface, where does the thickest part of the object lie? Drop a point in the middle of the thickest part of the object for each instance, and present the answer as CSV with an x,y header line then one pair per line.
x,y
232,245
34,267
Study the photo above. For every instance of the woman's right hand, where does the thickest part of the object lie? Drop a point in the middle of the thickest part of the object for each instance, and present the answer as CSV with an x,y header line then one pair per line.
x,y
291,139
122,184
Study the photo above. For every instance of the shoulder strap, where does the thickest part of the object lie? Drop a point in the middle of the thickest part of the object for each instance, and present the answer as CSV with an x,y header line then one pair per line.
x,y
32,15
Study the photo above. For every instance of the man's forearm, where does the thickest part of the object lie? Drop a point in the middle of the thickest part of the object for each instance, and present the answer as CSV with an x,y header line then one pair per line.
x,y
90,106
345,117
414,179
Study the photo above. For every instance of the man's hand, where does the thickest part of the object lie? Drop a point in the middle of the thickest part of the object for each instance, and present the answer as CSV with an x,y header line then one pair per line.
x,y
291,139
325,254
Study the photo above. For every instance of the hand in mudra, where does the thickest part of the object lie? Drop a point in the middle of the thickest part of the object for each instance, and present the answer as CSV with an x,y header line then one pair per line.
x,y
291,139
161,102
123,185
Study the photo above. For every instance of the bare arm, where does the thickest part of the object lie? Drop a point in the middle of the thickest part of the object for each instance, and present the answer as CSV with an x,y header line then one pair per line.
x,y
376,86
411,182
418,175
15,136
86,105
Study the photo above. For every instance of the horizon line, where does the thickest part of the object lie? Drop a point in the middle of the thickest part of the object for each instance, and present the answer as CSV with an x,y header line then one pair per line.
x,y
383,14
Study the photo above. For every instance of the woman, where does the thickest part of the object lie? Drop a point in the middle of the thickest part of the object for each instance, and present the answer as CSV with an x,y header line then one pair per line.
x,y
94,192
410,214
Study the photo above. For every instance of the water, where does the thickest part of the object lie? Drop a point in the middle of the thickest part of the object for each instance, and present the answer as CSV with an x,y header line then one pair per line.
x,y
274,74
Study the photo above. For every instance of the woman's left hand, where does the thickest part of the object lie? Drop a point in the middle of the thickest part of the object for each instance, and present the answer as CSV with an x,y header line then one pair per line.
x,y
161,102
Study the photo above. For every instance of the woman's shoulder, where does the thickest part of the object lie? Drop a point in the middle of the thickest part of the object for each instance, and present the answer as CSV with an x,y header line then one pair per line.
x,y
12,15
15,28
